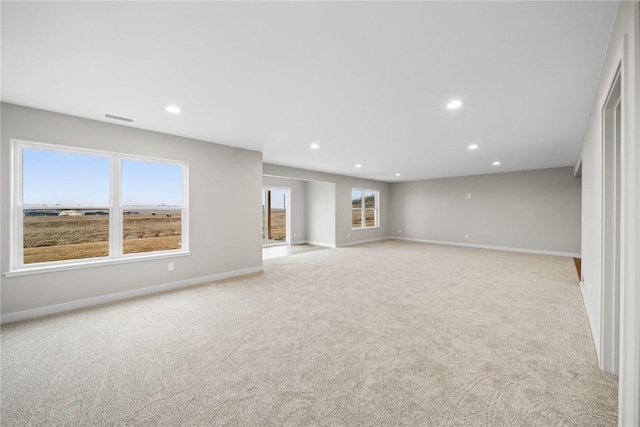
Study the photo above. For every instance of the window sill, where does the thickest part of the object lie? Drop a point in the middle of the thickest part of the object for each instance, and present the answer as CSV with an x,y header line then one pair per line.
x,y
93,263
365,228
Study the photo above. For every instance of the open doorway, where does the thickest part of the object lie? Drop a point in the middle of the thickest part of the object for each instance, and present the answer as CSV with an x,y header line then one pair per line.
x,y
611,182
275,216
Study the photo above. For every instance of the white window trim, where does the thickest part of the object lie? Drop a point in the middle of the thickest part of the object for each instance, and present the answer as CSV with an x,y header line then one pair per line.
x,y
116,255
94,262
362,209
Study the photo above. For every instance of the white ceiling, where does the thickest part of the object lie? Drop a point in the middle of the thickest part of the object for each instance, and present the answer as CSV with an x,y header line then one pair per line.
x,y
367,81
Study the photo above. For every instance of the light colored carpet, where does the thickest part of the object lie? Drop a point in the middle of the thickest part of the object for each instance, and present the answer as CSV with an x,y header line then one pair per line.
x,y
384,334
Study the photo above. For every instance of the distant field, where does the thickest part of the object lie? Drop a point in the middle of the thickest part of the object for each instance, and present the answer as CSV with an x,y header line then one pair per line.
x,y
278,225
57,238
356,218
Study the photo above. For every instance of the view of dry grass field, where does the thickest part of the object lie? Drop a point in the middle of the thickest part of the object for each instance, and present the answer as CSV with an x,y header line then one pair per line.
x,y
57,238
278,230
356,218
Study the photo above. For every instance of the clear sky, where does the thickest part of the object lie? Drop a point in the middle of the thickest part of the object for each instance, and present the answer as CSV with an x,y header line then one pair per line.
x,y
278,199
148,183
53,177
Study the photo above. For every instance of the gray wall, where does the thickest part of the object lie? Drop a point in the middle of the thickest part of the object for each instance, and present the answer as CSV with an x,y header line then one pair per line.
x,y
532,210
321,209
592,172
221,240
298,205
343,185
625,42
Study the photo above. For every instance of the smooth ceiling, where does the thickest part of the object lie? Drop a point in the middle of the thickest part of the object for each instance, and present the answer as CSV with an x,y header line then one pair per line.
x,y
367,81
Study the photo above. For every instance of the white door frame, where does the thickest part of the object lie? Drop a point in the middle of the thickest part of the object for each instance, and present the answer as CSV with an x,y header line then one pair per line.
x,y
627,60
629,363
287,190
611,223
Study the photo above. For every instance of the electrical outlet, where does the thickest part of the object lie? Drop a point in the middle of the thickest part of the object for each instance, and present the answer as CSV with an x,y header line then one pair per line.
x,y
348,235
399,231
467,196
466,236
294,234
170,266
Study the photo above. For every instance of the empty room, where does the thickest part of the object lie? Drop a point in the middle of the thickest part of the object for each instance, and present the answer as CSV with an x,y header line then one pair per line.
x,y
314,213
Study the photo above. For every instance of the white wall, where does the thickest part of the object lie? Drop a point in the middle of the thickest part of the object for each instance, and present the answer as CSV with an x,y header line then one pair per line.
x,y
532,210
321,210
224,193
298,205
343,185
624,45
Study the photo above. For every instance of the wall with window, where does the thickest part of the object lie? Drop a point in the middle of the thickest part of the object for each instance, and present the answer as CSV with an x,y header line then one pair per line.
x,y
223,219
530,210
73,206
344,185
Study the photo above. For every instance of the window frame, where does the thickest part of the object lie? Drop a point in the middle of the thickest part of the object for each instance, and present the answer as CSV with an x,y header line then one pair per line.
x,y
115,209
363,209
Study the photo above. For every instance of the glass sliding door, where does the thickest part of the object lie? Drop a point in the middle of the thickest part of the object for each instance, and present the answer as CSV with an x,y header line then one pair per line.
x,y
275,216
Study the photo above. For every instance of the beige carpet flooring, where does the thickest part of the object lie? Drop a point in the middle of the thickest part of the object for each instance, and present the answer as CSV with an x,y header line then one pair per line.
x,y
288,250
385,334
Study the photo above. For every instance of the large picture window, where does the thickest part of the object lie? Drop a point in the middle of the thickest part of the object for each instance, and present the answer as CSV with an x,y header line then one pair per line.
x,y
72,205
364,208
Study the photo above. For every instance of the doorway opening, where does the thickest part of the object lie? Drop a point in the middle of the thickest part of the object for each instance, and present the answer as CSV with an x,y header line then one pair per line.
x,y
275,216
611,182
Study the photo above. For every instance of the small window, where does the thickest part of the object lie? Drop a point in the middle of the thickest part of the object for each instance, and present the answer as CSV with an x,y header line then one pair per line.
x,y
73,205
364,208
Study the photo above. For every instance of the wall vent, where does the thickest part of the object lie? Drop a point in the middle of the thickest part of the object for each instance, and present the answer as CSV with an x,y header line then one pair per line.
x,y
124,119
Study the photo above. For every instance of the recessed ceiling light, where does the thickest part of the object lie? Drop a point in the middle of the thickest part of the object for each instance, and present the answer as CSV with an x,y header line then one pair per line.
x,y
358,165
473,147
496,163
397,174
173,109
456,103
314,146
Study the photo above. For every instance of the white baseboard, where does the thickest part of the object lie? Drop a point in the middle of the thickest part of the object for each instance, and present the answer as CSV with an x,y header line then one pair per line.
x,y
323,244
299,242
88,302
360,242
496,248
596,339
